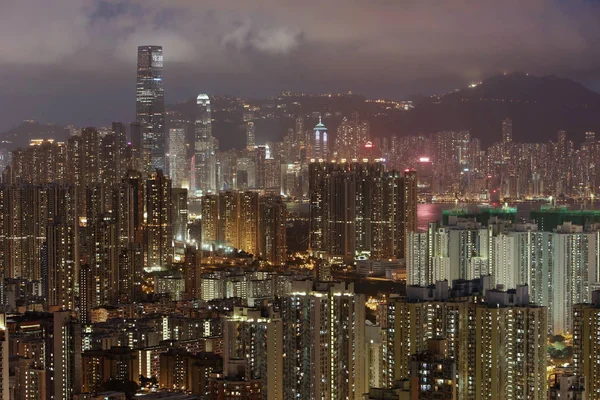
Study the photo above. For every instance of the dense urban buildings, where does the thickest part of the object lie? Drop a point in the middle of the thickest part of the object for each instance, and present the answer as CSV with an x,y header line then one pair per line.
x,y
155,261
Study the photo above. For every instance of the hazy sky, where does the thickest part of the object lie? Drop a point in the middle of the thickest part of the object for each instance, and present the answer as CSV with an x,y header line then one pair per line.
x,y
73,61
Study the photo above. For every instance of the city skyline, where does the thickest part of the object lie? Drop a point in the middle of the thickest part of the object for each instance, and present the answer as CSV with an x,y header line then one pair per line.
x,y
262,48
302,246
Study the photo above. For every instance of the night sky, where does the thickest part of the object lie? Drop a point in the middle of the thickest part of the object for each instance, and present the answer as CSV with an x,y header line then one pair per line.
x,y
73,61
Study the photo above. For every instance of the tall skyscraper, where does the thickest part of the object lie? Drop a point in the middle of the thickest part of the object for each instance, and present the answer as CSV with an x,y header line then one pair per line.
x,y
319,142
204,160
176,158
150,106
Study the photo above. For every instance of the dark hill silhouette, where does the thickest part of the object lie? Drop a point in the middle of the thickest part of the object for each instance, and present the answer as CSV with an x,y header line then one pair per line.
x,y
538,106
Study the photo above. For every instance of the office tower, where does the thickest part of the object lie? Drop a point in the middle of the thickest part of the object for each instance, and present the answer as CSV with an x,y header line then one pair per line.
x,y
424,175
4,356
507,130
586,344
319,147
323,341
158,224
177,158
179,214
150,106
204,162
360,207
253,349
250,135
433,372
272,244
499,345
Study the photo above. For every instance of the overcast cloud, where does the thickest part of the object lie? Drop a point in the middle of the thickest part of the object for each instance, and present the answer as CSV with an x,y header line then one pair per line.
x,y
74,60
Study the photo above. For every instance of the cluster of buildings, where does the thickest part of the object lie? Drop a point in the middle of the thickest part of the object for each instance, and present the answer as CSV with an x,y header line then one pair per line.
x,y
109,288
453,163
558,260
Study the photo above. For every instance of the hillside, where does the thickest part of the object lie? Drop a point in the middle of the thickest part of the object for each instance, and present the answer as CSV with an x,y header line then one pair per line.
x,y
539,107
20,135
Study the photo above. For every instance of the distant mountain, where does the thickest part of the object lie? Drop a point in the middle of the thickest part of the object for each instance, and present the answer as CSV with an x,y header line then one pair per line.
x,y
538,106
20,136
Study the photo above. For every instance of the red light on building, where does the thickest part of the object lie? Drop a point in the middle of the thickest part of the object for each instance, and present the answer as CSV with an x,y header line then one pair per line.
x,y
368,145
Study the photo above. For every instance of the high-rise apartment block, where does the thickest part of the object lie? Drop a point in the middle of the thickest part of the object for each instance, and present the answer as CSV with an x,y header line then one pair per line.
x,y
360,207
586,344
323,341
246,221
499,345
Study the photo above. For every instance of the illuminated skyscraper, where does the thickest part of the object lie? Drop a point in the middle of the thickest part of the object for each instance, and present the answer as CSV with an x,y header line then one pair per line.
x,y
150,105
319,142
176,158
250,135
204,161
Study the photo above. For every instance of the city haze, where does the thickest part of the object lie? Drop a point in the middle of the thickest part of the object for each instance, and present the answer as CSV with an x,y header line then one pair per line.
x,y
74,62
